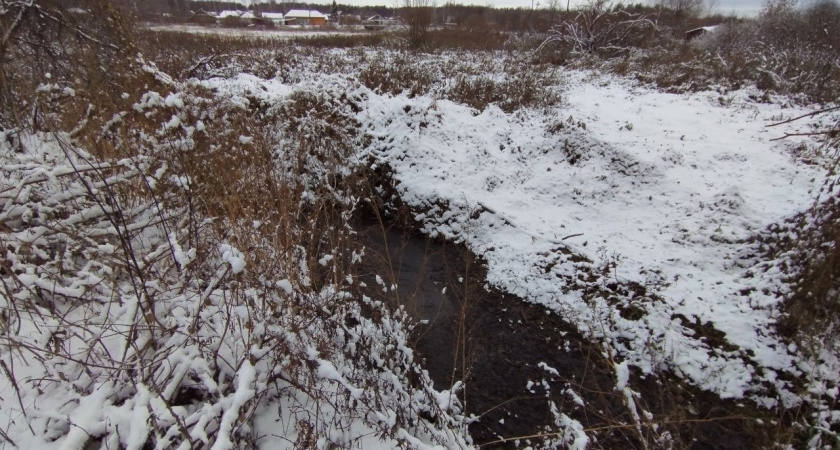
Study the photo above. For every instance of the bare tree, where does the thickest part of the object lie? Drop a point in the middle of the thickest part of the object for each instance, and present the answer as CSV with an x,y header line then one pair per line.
x,y
553,5
601,27
417,16
684,9
711,6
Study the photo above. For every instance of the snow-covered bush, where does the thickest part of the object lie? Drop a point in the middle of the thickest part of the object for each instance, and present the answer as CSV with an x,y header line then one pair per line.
x,y
127,323
603,28
176,270
786,49
476,79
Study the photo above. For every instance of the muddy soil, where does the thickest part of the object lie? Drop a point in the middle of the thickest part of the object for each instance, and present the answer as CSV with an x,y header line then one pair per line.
x,y
515,357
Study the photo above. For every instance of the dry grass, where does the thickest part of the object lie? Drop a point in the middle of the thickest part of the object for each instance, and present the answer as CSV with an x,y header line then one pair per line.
x,y
176,180
278,192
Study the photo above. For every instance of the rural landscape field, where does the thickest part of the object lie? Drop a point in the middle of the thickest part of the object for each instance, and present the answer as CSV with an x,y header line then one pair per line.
x,y
419,226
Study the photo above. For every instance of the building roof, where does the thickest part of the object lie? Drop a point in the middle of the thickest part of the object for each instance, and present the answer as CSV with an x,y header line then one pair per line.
x,y
272,15
698,32
229,13
302,13
702,29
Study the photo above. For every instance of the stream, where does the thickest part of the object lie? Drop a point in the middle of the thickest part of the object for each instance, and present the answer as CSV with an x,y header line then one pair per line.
x,y
515,357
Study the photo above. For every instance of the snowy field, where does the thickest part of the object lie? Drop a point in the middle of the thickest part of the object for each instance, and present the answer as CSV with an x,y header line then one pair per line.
x,y
663,187
282,34
629,212
654,189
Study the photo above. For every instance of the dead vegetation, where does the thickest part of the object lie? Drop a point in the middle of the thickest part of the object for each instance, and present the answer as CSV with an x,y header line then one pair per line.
x,y
161,215
183,259
788,49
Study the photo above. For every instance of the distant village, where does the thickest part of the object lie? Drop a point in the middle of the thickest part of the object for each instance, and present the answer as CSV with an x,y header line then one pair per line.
x,y
266,15
291,18
272,14
472,18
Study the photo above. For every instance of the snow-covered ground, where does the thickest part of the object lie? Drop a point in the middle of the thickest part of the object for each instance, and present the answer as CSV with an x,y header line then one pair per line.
x,y
619,185
283,34
664,188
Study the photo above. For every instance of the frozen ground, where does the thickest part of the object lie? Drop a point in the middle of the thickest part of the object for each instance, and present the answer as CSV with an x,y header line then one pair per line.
x,y
285,33
664,188
656,190
626,210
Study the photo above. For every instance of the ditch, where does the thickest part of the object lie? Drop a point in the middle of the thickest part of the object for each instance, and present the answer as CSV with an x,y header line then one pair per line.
x,y
515,357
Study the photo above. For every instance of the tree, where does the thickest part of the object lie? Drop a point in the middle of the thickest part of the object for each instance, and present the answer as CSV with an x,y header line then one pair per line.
x,y
683,9
334,13
711,6
601,27
417,17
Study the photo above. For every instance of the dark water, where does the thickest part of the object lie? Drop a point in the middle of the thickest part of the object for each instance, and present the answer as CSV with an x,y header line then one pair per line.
x,y
502,339
497,344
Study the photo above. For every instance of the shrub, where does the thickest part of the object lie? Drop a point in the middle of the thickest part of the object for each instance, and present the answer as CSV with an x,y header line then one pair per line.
x,y
397,75
39,39
807,251
603,28
344,40
173,261
517,90
417,17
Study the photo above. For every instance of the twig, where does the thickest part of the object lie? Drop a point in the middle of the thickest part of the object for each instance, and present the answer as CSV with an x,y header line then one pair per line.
x,y
810,114
809,133
207,60
7,438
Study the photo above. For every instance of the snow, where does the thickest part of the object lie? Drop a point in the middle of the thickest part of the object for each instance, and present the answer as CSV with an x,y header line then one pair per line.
x,y
274,34
622,374
233,257
244,392
272,15
635,187
638,187
304,13
97,354
286,285
665,203
88,421
230,13
549,369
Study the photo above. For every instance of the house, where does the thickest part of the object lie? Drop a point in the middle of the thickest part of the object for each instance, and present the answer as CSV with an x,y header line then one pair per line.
x,y
232,18
376,22
696,33
202,17
305,17
230,13
275,18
